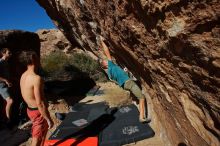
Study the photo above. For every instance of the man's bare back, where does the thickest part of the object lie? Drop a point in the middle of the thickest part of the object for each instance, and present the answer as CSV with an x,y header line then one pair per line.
x,y
32,91
29,83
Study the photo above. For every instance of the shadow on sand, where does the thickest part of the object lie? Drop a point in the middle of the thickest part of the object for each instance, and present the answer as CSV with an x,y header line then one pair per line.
x,y
71,91
93,129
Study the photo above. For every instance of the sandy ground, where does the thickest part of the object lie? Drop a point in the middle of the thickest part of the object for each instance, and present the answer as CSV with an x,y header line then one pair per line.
x,y
115,96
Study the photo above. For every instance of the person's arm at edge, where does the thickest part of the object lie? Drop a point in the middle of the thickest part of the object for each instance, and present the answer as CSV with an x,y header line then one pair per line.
x,y
39,96
3,79
106,50
6,81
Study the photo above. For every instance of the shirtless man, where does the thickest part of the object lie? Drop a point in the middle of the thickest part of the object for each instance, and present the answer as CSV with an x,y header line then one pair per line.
x,y
32,91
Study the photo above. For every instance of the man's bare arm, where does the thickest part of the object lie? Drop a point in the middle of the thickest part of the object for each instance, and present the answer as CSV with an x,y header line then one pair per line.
x,y
106,50
39,97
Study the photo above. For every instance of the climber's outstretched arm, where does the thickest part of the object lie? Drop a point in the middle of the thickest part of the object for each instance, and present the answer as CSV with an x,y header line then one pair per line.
x,y
106,50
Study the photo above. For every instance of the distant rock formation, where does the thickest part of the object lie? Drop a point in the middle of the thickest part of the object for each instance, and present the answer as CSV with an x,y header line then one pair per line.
x,y
52,40
173,47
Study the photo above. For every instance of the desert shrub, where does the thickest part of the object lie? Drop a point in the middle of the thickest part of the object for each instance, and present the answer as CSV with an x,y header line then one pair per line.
x,y
58,63
88,65
84,63
54,62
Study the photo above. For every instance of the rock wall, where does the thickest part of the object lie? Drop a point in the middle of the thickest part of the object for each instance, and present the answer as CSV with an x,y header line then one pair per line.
x,y
173,47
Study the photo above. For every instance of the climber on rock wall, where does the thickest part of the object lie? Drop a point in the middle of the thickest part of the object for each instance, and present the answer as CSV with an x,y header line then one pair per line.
x,y
118,75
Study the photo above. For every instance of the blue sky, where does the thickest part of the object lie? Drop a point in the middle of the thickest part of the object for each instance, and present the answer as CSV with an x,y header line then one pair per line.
x,y
23,15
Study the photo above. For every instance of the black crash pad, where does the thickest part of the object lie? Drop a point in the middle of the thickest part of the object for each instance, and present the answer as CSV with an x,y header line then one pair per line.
x,y
87,107
73,119
90,130
114,127
87,119
94,110
125,129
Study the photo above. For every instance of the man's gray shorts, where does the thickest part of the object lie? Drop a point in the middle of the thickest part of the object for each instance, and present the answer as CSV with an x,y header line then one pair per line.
x,y
4,90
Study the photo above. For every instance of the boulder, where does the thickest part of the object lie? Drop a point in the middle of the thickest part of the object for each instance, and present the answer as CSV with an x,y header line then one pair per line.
x,y
53,40
172,47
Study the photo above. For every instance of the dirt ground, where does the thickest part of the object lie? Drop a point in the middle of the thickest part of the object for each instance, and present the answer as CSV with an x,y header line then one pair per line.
x,y
114,96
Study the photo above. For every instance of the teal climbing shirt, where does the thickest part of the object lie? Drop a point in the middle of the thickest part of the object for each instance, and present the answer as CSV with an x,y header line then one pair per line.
x,y
116,73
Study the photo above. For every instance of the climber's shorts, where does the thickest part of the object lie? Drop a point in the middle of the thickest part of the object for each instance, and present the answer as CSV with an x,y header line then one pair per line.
x,y
39,124
4,90
133,87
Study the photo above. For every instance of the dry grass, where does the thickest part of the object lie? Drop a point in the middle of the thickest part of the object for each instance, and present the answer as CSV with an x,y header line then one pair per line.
x,y
115,95
58,63
112,94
